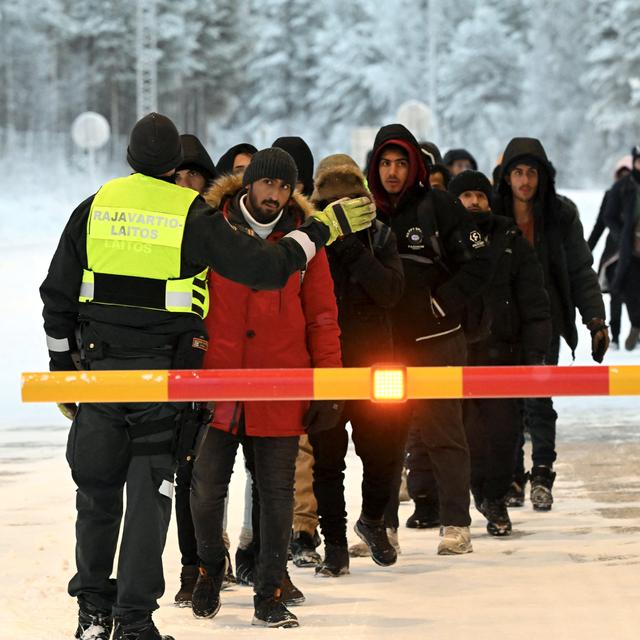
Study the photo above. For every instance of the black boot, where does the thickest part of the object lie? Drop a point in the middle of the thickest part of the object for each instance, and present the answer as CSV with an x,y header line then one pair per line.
x,y
93,624
375,536
270,611
498,521
303,550
206,594
541,483
245,565
188,577
291,595
515,495
137,629
336,561
425,516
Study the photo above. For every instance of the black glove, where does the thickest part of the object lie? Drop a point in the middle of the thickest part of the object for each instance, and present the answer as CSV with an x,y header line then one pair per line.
x,y
599,338
348,249
322,415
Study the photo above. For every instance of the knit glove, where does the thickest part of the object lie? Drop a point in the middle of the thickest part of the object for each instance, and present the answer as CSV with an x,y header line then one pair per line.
x,y
322,415
599,338
346,216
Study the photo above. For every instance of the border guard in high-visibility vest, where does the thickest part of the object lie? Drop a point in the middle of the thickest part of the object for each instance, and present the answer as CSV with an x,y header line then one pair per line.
x,y
126,289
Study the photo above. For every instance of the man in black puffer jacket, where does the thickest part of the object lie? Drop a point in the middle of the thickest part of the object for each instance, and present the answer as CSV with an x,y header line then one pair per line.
x,y
520,323
551,224
622,216
445,264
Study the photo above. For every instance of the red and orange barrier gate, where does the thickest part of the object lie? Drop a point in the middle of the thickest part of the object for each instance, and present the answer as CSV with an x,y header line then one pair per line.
x,y
379,383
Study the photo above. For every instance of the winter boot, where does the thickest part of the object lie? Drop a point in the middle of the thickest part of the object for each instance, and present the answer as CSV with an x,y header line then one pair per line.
x,y
138,629
270,611
515,494
336,561
205,602
455,541
541,483
425,516
375,535
495,511
245,565
303,550
291,595
229,579
93,624
632,339
188,577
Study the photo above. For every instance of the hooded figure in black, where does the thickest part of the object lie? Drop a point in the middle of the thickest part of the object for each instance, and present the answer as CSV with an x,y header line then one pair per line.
x,y
445,264
526,193
299,150
520,330
227,159
197,170
459,160
622,216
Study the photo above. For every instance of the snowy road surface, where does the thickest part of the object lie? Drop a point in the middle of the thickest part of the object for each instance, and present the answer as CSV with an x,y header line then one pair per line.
x,y
571,574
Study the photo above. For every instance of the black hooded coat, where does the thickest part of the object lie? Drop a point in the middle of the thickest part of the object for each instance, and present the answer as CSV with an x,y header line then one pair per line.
x,y
559,242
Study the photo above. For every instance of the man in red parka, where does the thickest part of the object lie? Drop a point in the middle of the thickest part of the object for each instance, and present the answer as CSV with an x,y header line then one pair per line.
x,y
296,326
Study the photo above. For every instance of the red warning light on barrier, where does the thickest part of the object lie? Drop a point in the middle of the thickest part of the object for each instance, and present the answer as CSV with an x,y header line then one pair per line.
x,y
388,383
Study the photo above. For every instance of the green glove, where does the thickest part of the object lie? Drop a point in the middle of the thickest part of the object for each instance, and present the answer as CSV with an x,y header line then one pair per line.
x,y
346,216
68,409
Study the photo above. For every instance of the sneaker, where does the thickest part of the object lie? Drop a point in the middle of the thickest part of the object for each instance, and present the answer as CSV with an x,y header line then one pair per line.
x,y
93,624
188,577
375,535
425,516
515,494
336,561
143,629
229,579
245,565
271,612
291,595
455,541
359,550
541,483
498,521
632,339
303,550
205,602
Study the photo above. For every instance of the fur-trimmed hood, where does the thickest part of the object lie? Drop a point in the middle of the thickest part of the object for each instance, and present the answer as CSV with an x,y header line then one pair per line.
x,y
338,177
228,186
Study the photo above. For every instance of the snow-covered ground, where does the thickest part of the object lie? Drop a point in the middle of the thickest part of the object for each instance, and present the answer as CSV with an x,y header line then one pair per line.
x,y
572,573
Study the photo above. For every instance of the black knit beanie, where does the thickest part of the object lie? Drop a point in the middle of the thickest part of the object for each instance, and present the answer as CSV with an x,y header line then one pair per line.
x,y
154,145
272,163
470,181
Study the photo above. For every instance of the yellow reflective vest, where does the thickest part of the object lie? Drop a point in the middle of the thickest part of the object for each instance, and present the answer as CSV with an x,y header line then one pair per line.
x,y
134,246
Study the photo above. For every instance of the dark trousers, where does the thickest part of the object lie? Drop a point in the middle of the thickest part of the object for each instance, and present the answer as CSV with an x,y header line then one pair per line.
x,y
630,291
273,467
493,429
438,426
99,452
184,521
615,316
539,418
378,436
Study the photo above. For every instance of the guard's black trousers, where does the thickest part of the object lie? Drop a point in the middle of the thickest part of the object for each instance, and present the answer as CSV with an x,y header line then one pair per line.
x,y
106,454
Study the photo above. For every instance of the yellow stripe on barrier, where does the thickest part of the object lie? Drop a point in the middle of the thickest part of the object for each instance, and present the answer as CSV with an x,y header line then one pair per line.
x,y
624,381
95,386
434,382
341,384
